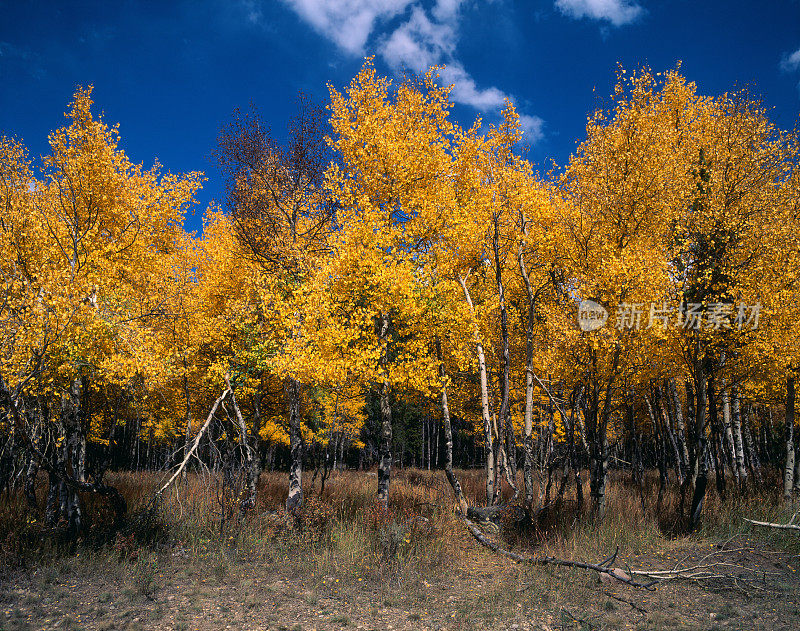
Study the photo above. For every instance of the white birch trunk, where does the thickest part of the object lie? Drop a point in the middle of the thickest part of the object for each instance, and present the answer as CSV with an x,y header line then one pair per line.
x,y
491,474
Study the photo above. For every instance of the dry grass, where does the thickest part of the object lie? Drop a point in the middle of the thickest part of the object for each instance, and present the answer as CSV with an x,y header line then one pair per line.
x,y
342,553
344,528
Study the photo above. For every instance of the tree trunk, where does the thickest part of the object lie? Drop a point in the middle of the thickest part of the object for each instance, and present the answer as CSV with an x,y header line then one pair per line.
x,y
491,474
691,419
699,490
662,403
31,471
637,466
505,426
72,453
598,469
448,435
767,437
385,462
424,460
679,426
545,441
333,446
716,438
187,413
738,442
788,472
528,415
295,498
727,424
248,498
661,455
597,455
436,454
582,430
751,450
549,450
700,460
504,466
796,486
660,438
599,473
52,506
573,456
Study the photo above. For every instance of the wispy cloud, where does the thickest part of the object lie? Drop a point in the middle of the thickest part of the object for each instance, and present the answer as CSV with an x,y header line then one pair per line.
x,y
422,38
252,11
617,12
8,51
790,62
22,57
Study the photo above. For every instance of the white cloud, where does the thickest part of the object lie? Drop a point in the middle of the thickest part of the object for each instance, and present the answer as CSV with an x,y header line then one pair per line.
x,y
424,39
467,92
618,12
446,9
532,127
419,43
791,62
348,23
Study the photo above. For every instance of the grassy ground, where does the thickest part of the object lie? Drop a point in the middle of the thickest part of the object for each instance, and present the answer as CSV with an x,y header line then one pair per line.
x,y
346,564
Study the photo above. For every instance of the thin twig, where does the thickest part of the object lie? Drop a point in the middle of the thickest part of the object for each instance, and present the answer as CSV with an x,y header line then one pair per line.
x,y
625,600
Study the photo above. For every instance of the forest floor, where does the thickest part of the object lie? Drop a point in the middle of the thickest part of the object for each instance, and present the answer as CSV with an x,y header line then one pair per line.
x,y
276,584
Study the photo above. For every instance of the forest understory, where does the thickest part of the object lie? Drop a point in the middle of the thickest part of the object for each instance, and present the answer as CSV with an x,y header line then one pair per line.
x,y
345,562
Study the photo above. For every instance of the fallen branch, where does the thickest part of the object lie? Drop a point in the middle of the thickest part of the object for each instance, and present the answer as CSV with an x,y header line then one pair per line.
x,y
605,567
703,570
485,541
768,524
707,568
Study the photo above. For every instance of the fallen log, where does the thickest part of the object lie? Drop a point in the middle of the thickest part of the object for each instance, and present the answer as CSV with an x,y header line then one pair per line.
x,y
768,524
605,567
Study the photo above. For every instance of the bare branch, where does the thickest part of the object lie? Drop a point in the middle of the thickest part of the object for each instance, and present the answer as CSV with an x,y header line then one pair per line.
x,y
195,444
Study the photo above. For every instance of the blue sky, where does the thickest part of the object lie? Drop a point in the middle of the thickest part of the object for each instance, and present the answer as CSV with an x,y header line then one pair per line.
x,y
170,73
